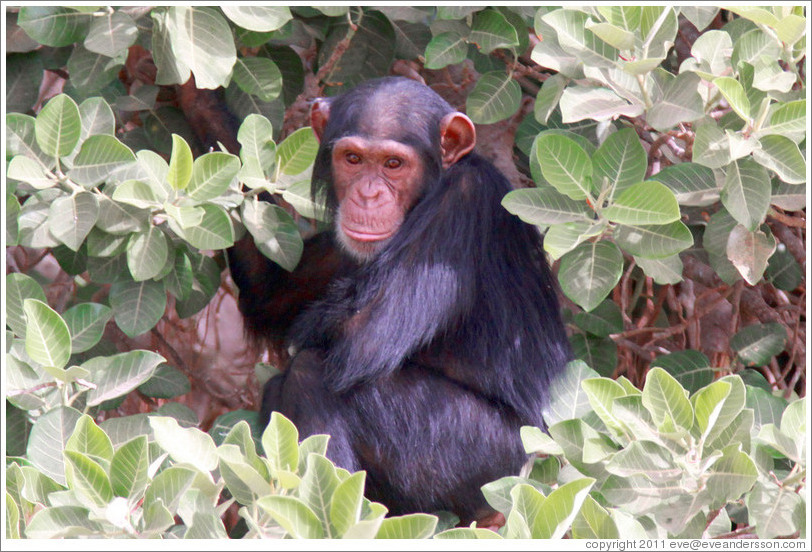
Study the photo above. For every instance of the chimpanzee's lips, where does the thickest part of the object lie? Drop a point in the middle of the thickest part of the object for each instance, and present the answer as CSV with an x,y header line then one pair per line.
x,y
364,235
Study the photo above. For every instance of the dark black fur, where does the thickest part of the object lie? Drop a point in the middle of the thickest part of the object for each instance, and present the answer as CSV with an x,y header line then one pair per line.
x,y
458,336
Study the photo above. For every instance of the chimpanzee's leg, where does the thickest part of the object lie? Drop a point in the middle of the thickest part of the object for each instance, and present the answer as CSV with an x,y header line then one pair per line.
x,y
299,393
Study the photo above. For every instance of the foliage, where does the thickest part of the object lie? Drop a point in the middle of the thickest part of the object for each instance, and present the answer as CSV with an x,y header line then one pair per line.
x,y
657,153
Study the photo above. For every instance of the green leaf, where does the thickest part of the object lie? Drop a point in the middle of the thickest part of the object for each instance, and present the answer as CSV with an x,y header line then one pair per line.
x,y
733,92
565,165
495,96
184,445
782,156
280,443
346,502
690,368
656,241
258,18
758,343
789,120
137,306
167,382
60,522
87,478
275,232
589,272
621,160
595,102
768,506
317,488
58,126
717,406
680,103
72,217
147,253
111,34
711,146
749,252
604,320
612,35
20,287
119,374
54,25
746,193
244,482
664,271
593,522
47,339
467,533
256,138
490,30
129,468
297,152
299,196
25,169
574,37
258,76
601,393
445,49
412,526
203,38
169,486
544,206
98,157
47,441
692,184
536,441
180,164
297,519
665,398
644,203
215,230
548,97
211,175
86,323
569,401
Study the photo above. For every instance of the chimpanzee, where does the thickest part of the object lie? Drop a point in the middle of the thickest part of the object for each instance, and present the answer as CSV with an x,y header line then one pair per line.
x,y
425,328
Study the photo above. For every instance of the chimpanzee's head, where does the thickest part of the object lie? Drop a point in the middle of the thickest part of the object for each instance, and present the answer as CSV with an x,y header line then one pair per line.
x,y
382,145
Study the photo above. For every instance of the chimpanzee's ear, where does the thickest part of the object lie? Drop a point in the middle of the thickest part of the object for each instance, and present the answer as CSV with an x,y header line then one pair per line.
x,y
319,115
457,137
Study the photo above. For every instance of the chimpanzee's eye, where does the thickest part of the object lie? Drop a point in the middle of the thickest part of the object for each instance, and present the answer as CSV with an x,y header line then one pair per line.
x,y
393,163
353,158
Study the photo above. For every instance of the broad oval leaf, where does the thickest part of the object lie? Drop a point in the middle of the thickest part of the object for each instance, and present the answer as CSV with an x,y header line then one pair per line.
x,y
293,515
48,438
655,241
758,343
693,184
20,287
746,193
258,76
98,157
215,230
211,175
749,252
71,218
490,30
411,526
595,102
542,206
58,126
496,96
733,92
258,18
667,402
129,467
445,49
54,25
87,478
119,374
147,253
589,272
185,445
648,202
165,383
621,160
47,339
690,368
275,232
137,306
297,152
180,163
781,155
111,34
565,165
86,323
570,401
280,441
